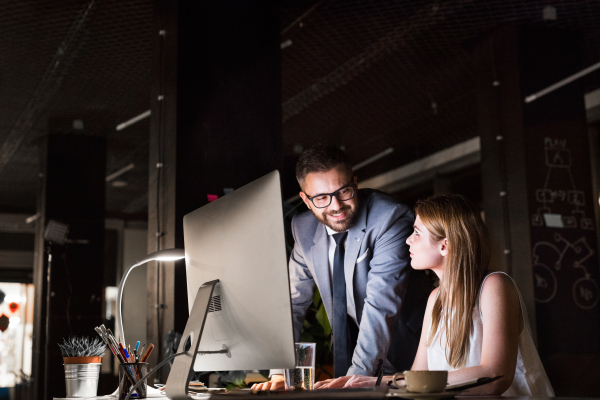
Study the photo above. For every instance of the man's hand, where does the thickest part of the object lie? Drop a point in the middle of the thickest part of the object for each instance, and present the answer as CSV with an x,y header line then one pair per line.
x,y
323,384
276,383
359,381
333,383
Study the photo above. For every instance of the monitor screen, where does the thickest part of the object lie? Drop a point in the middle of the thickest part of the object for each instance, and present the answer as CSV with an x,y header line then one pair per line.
x,y
239,240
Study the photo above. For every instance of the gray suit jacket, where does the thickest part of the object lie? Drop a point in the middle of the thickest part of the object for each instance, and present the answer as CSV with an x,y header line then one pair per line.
x,y
390,314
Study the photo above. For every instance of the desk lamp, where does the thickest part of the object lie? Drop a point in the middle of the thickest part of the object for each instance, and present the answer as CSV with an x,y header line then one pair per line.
x,y
161,255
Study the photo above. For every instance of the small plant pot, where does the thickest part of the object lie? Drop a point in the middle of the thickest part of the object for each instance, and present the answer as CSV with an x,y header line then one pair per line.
x,y
81,376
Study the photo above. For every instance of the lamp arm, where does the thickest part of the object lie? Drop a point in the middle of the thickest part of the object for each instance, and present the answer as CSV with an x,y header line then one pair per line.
x,y
166,254
121,331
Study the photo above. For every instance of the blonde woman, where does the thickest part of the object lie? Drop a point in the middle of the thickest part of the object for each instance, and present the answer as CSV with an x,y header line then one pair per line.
x,y
475,324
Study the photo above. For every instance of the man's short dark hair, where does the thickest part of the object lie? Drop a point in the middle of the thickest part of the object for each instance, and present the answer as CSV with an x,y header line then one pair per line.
x,y
321,158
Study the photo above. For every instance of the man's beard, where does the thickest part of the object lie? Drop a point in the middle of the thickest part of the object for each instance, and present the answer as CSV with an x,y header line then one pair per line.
x,y
345,224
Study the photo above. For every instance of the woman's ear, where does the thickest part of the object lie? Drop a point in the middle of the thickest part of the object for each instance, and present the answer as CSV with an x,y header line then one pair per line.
x,y
443,246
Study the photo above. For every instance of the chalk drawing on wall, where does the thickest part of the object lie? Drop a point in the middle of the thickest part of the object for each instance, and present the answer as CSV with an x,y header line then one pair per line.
x,y
558,165
544,282
585,293
585,290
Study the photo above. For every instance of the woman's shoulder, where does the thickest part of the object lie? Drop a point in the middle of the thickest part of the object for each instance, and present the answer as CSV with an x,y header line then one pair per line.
x,y
432,297
499,292
498,286
498,282
434,294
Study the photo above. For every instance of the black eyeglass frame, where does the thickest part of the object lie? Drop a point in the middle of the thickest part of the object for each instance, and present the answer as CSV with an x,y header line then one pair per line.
x,y
331,195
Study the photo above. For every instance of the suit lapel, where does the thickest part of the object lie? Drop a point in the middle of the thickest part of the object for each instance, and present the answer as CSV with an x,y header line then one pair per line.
x,y
353,244
320,258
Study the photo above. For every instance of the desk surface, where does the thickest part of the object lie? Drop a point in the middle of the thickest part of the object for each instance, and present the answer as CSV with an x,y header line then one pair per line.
x,y
346,394
350,394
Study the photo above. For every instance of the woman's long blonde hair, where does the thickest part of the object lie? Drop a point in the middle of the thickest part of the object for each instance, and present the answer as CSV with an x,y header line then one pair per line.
x,y
456,219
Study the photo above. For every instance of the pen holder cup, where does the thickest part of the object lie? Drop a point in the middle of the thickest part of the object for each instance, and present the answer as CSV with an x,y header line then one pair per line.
x,y
129,375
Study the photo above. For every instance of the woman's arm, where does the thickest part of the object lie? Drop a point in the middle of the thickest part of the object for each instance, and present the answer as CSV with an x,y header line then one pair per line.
x,y
420,363
502,324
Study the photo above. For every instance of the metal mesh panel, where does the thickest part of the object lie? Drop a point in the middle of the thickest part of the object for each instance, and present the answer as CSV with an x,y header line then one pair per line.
x,y
65,57
365,74
372,74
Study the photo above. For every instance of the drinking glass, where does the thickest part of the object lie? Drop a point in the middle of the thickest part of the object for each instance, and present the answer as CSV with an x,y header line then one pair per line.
x,y
303,376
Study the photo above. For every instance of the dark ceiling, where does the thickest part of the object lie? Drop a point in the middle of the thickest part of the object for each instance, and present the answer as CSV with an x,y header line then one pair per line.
x,y
363,74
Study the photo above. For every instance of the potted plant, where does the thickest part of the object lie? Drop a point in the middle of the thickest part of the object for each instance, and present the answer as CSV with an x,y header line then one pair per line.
x,y
82,359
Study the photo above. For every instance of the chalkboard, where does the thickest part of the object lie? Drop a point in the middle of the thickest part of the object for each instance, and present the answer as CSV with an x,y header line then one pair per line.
x,y
563,236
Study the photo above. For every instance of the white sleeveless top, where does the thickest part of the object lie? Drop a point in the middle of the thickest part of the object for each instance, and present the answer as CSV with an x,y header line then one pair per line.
x,y
530,377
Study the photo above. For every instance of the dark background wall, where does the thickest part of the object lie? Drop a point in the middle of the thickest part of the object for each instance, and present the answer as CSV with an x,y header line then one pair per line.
x,y
67,277
218,127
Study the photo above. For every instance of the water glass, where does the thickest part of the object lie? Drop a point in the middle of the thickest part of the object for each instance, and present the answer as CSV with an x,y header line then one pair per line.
x,y
303,376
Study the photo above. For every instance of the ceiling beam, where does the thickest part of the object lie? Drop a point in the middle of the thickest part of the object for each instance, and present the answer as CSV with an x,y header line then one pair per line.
x,y
15,223
452,159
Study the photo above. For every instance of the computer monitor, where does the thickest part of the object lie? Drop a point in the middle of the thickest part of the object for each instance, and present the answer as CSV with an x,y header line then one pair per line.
x,y
239,240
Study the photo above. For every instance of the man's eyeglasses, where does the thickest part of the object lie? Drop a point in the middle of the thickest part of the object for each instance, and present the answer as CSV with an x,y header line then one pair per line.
x,y
324,199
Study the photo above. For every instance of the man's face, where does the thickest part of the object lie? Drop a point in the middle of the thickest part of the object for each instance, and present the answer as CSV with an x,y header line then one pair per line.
x,y
339,215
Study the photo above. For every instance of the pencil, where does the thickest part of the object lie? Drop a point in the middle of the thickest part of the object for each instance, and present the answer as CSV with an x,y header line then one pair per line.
x,y
140,352
147,353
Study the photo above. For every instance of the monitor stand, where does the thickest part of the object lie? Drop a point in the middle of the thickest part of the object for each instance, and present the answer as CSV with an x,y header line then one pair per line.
x,y
178,380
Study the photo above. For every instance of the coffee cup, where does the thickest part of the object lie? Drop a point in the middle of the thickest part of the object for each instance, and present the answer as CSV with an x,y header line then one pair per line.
x,y
423,381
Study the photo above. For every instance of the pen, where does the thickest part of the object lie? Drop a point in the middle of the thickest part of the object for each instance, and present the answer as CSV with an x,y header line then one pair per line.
x,y
123,352
137,346
379,372
127,356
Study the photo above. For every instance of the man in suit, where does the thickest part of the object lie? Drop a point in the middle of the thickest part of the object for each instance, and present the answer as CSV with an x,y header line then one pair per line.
x,y
352,245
